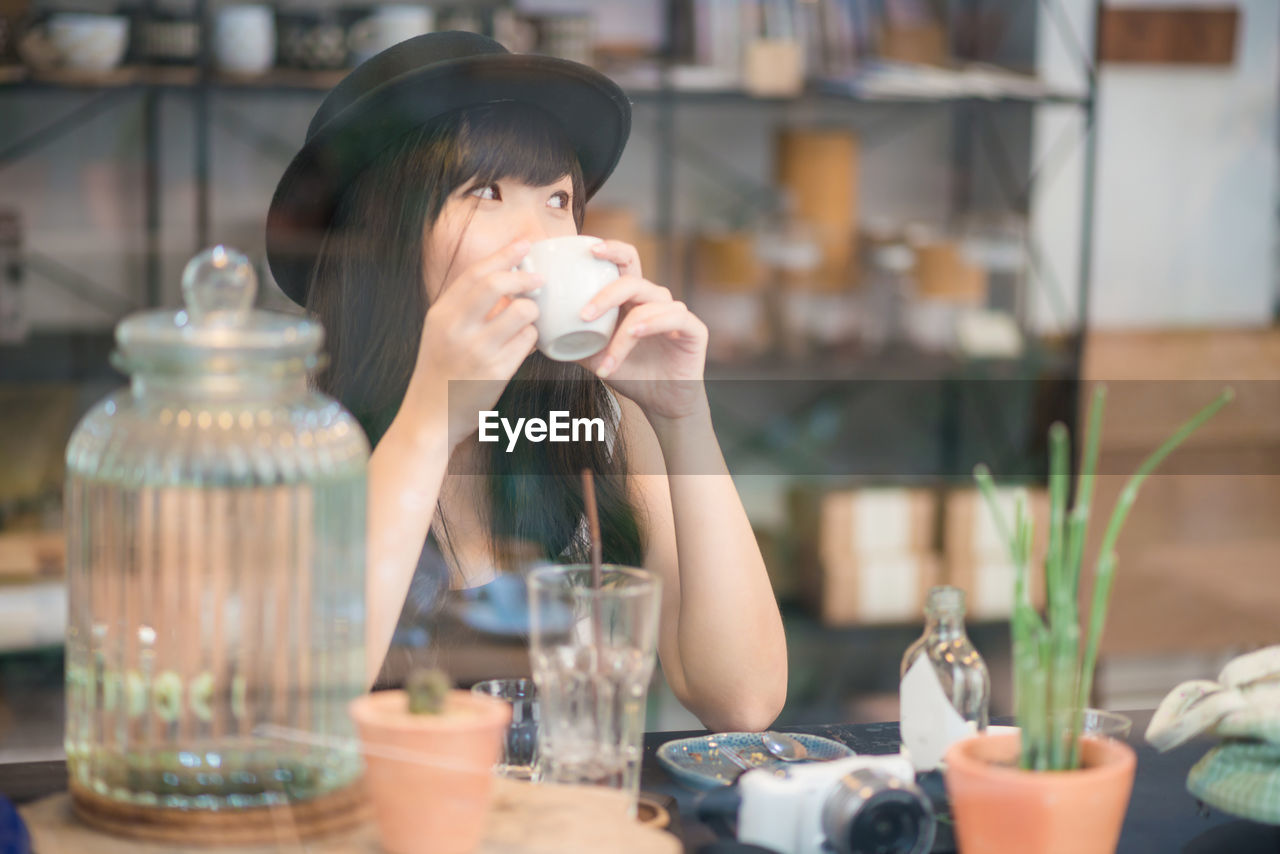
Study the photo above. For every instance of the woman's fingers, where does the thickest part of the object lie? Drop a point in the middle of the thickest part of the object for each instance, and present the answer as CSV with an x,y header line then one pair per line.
x,y
501,261
622,254
517,315
672,318
672,323
513,352
489,296
487,280
622,290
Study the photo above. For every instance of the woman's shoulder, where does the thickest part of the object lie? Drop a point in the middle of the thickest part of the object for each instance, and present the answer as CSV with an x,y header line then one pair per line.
x,y
637,434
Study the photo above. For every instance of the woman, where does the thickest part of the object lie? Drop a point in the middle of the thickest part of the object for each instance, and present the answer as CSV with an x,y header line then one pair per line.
x,y
425,176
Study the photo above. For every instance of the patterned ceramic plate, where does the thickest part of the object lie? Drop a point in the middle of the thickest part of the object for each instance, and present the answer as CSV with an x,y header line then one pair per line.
x,y
484,616
698,761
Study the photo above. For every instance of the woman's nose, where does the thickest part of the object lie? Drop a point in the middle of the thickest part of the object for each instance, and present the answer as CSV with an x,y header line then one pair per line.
x,y
534,226
533,232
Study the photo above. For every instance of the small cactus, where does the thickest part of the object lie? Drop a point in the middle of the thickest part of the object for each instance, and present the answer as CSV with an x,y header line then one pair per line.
x,y
427,688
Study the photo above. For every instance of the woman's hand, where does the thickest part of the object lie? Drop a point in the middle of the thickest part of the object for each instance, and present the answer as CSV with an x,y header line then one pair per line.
x,y
659,348
475,332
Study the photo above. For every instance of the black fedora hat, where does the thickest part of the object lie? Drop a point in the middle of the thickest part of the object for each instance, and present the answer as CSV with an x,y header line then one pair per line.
x,y
405,87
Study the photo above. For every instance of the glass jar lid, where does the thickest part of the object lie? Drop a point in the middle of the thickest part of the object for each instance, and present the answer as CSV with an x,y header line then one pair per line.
x,y
219,330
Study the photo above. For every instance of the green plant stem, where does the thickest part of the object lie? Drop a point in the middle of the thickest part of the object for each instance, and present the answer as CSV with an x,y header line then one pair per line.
x,y
1042,727
1079,525
1106,554
1029,643
1059,450
1070,713
987,487
1062,650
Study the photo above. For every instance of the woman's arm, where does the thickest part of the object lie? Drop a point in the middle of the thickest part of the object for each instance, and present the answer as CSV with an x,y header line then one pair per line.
x,y
477,333
721,640
406,472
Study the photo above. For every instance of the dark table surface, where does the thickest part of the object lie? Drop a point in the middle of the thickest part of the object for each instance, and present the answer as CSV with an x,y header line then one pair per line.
x,y
1162,818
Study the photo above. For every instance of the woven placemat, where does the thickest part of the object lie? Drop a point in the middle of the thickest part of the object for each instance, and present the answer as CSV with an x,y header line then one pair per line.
x,y
339,811
525,819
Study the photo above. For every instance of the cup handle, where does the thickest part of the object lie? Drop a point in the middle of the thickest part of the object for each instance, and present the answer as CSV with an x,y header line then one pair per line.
x,y
527,294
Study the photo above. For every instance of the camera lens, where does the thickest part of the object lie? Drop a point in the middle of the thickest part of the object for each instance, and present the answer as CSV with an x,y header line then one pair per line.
x,y
872,812
887,827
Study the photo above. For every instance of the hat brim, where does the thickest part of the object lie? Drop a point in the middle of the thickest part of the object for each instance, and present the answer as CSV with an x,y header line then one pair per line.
x,y
594,112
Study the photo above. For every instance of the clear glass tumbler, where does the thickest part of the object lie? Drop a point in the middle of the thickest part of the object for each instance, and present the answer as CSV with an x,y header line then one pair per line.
x,y
520,750
592,652
1099,723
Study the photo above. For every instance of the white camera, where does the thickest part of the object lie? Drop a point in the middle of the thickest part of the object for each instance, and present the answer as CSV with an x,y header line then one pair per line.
x,y
856,805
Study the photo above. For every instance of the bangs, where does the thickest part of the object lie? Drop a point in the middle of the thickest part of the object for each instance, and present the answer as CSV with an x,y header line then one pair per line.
x,y
513,141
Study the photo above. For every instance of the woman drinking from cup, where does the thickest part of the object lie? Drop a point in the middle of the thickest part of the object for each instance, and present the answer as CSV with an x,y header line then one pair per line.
x,y
427,175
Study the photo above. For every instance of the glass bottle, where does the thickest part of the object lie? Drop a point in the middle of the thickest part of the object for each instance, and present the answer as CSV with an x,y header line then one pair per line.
x,y
215,546
886,296
788,248
947,695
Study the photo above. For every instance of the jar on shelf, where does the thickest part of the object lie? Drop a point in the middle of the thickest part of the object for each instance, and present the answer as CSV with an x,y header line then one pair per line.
x,y
168,32
215,517
310,38
789,250
949,286
727,294
885,295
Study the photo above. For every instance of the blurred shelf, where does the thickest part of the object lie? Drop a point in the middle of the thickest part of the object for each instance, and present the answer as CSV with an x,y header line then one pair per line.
x,y
282,79
124,76
170,77
83,355
28,556
877,81
63,356
900,417
32,616
874,85
896,363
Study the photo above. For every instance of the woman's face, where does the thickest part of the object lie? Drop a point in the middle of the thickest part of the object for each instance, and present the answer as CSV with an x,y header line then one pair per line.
x,y
478,220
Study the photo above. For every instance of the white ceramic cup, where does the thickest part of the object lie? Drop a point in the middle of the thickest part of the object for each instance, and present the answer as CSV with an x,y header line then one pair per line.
x,y
573,277
89,42
244,39
388,25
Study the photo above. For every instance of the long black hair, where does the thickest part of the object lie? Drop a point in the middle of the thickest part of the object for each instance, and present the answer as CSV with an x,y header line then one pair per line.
x,y
367,289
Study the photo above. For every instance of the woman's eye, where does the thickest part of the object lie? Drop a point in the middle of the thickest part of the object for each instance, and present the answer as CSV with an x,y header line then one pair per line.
x,y
494,187
564,198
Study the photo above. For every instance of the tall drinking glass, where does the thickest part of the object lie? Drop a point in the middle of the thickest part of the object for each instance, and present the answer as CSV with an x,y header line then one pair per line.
x,y
592,652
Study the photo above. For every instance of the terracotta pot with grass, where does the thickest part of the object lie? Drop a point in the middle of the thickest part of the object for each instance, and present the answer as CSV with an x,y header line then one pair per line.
x,y
998,807
429,755
1045,789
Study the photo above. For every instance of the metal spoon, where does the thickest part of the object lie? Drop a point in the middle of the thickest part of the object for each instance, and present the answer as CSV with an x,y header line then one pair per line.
x,y
784,747
742,765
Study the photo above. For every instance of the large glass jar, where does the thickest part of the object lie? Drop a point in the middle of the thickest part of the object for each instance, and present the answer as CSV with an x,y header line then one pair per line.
x,y
216,533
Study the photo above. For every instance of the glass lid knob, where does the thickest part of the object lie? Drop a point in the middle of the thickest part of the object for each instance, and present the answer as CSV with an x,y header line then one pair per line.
x,y
219,286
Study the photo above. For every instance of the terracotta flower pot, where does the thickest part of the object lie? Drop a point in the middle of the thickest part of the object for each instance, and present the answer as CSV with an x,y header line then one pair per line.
x,y
430,777
1000,808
